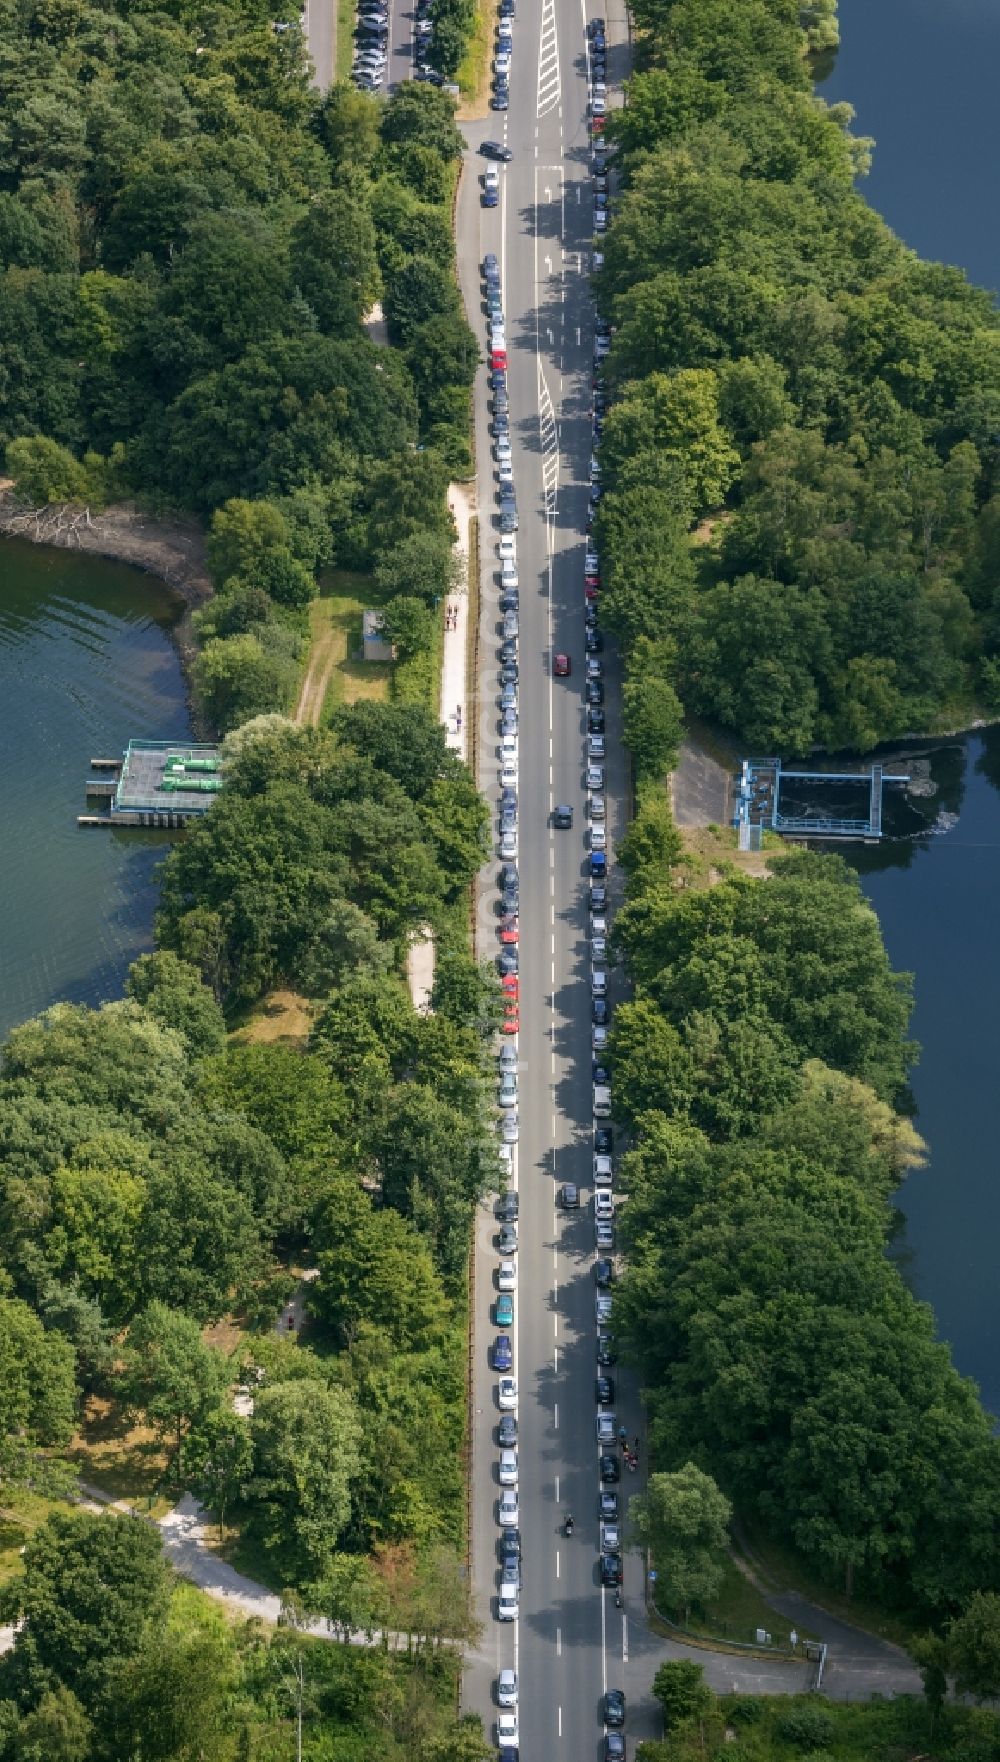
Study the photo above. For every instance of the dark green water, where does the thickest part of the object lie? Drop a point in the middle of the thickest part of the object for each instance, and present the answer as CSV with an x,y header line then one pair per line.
x,y
922,76
85,662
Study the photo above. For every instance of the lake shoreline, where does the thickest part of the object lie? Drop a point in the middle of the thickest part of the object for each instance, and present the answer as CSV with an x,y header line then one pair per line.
x,y
174,550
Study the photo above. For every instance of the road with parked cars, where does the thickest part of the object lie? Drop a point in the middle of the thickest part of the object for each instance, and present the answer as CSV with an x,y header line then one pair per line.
x,y
555,1674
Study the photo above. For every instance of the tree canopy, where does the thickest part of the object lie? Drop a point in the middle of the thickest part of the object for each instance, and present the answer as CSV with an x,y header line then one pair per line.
x,y
798,392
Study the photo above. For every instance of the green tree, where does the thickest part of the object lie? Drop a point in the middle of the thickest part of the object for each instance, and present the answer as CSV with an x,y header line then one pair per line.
x,y
682,1692
683,1520
216,1460
375,1271
173,991
37,1392
652,722
92,1598
424,567
334,260
240,677
199,1244
169,1374
409,626
306,1438
346,944
973,1640
350,1596
667,420
57,1730
43,471
241,532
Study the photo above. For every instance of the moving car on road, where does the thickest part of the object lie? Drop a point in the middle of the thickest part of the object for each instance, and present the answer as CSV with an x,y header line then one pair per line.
x,y
614,1707
495,150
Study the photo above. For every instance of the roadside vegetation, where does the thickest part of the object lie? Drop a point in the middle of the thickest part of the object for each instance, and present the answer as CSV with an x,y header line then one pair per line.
x,y
117,1660
700,1726
781,360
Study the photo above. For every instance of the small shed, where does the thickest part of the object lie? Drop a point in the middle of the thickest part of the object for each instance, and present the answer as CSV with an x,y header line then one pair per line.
x,y
375,646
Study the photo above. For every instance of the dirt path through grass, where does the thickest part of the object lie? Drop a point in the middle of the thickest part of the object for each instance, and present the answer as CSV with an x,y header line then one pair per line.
x,y
326,652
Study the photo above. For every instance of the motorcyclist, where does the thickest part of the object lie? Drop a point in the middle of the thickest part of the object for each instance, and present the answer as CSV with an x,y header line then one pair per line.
x,y
569,1523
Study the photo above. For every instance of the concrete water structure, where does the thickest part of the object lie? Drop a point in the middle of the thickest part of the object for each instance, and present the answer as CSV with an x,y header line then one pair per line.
x,y
758,805
158,783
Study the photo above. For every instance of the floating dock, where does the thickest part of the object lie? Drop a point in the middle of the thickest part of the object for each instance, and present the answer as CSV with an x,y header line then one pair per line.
x,y
161,783
758,807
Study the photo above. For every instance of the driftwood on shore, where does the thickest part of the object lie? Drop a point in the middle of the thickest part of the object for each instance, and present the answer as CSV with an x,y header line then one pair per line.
x,y
173,549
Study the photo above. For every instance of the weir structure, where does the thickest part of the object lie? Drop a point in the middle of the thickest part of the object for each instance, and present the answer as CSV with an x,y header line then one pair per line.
x,y
758,804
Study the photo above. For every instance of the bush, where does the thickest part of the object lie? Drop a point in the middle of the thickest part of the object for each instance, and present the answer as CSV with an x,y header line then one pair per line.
x,y
805,1728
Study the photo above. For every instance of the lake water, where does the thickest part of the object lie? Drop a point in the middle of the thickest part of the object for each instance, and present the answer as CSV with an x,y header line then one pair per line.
x,y
922,77
86,662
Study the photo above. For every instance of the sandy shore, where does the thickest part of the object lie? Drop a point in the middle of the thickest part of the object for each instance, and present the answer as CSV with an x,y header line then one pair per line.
x,y
172,549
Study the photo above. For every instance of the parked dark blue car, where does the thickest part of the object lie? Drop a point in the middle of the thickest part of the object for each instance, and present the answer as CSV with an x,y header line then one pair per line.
x,y
503,1356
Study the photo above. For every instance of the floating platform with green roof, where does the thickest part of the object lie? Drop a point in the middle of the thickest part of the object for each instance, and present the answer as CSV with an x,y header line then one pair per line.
x,y
155,783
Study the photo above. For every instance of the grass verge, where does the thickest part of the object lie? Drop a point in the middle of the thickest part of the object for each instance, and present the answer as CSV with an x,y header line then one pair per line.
x,y
473,73
778,1566
345,38
736,1613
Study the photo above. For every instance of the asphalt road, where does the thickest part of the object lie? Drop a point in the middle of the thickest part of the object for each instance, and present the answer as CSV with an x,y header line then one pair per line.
x,y
320,19
570,1642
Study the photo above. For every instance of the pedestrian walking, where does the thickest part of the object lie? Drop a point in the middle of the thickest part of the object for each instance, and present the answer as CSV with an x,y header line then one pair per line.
x,y
636,1446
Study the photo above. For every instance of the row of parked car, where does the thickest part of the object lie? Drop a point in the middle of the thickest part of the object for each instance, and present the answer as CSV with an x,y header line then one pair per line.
x,y
502,55
603,1172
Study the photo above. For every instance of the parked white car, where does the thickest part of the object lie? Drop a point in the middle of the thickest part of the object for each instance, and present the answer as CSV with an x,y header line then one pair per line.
x,y
507,1687
507,1610
507,1276
509,1512
604,1204
507,1400
508,1468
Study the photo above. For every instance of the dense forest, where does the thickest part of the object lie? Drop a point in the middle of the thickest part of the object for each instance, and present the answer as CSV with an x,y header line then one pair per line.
x,y
158,1176
759,1068
190,240
801,456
